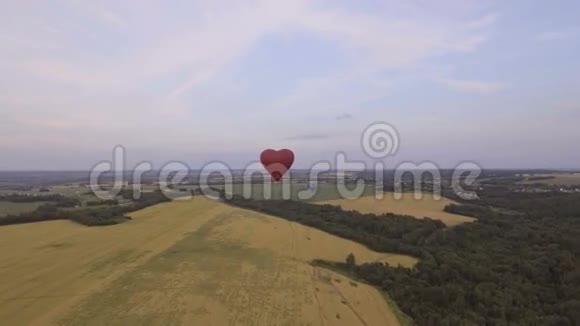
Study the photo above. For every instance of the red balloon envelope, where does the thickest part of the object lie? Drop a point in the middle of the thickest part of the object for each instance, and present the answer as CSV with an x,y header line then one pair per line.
x,y
277,163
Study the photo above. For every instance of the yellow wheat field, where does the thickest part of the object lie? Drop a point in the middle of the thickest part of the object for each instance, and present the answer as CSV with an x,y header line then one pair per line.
x,y
427,206
196,262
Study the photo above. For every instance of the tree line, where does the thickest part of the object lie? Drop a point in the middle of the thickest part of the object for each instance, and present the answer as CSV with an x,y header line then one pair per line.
x,y
92,216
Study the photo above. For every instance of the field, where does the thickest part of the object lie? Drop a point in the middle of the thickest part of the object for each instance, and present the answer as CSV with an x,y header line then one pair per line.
x,y
560,179
74,191
324,191
185,262
407,205
10,208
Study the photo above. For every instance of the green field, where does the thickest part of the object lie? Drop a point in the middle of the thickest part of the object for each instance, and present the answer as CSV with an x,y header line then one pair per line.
x,y
324,191
10,208
296,191
558,179
81,193
73,191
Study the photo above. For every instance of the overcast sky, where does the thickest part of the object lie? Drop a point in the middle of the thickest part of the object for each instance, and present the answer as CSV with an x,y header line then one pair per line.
x,y
496,82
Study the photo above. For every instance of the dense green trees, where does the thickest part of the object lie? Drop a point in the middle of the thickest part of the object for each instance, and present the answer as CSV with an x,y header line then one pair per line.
x,y
110,202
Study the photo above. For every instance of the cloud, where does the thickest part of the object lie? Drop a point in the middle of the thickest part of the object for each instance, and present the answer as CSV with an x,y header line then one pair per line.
x,y
484,21
307,137
379,46
400,42
471,86
209,42
137,72
113,18
344,116
554,36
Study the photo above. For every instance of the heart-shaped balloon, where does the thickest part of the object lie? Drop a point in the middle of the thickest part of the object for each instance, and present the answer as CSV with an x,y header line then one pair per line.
x,y
277,163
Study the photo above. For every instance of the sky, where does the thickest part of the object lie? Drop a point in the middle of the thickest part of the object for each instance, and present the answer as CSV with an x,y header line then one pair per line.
x,y
492,82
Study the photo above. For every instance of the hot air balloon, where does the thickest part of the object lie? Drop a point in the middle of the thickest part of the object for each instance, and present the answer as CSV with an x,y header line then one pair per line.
x,y
277,163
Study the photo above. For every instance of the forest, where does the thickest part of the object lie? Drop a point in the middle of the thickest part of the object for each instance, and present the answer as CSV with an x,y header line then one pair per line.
x,y
517,265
